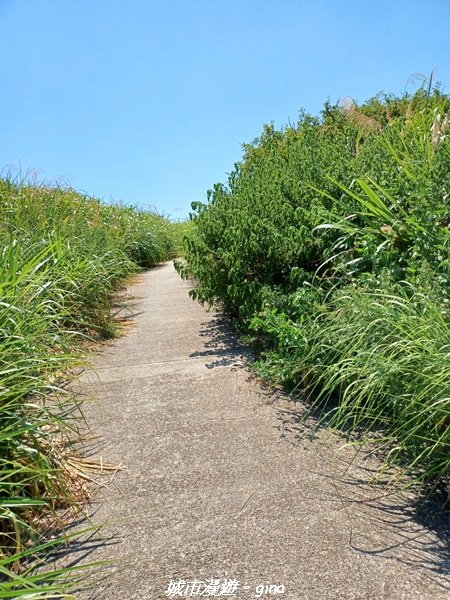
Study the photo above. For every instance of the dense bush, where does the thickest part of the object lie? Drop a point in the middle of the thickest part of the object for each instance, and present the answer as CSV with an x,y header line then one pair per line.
x,y
330,244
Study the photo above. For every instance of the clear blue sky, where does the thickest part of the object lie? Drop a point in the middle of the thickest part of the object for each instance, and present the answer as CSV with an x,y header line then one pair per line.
x,y
149,101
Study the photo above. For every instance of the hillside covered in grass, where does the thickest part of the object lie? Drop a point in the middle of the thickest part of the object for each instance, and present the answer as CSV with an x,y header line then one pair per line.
x,y
62,257
330,245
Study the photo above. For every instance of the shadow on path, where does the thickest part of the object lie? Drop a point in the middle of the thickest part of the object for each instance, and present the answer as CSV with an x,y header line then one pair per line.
x,y
222,343
409,522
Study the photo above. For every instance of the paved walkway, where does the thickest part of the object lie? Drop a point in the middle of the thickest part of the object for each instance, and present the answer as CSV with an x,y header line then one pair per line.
x,y
217,485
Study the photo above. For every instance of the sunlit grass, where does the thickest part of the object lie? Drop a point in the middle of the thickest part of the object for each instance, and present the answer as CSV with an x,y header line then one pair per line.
x,y
62,256
386,358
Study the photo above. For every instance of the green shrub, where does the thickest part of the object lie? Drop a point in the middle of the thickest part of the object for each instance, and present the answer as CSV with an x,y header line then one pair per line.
x,y
330,244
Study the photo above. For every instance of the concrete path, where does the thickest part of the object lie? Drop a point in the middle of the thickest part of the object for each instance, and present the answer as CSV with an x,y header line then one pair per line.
x,y
218,487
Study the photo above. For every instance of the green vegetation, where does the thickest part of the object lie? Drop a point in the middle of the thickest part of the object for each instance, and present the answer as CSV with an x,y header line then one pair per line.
x,y
62,256
179,231
330,244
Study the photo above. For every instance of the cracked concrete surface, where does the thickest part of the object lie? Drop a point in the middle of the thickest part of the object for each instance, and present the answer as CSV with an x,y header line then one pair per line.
x,y
217,483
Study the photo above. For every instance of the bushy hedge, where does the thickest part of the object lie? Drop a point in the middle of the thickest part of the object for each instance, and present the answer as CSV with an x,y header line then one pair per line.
x,y
330,245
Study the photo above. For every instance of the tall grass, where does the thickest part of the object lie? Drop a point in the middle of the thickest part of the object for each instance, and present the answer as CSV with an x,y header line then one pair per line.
x,y
376,363
62,256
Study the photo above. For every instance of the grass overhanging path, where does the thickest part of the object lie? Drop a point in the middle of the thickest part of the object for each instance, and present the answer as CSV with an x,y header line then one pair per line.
x,y
63,257
218,482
